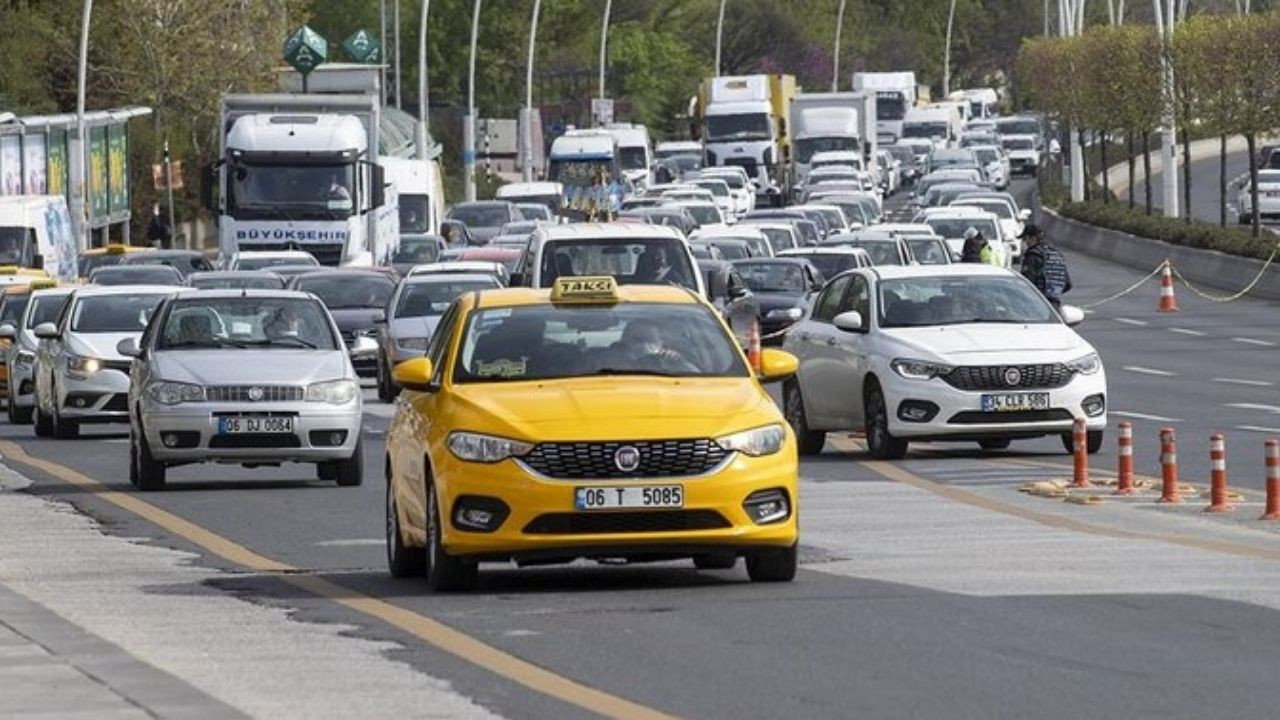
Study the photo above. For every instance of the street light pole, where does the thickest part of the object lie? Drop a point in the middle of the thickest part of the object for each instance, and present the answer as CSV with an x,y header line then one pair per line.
x,y
78,170
604,44
946,58
423,101
719,35
835,61
527,125
395,34
1165,19
469,127
382,39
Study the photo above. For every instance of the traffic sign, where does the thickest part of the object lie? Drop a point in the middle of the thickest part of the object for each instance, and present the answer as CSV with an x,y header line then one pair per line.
x,y
602,110
305,50
362,47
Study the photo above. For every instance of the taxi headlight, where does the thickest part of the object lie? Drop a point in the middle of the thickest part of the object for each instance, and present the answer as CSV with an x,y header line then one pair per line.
x,y
919,369
413,343
1087,365
82,365
334,392
175,393
765,440
474,447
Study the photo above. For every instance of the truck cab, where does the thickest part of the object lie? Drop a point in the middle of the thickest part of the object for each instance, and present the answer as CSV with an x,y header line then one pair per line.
x,y
745,123
635,152
585,163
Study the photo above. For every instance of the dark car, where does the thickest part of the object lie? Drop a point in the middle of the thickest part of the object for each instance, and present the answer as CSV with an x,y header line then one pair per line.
x,y
485,218
135,275
184,261
416,250
236,280
357,299
728,293
783,288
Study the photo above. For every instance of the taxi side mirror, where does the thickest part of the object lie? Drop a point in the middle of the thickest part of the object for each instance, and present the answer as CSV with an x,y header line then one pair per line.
x,y
414,374
777,365
8,332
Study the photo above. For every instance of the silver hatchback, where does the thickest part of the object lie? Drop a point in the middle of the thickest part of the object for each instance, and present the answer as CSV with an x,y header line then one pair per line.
x,y
247,377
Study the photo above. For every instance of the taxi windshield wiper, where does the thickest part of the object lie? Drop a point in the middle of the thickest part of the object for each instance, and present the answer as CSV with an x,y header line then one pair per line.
x,y
637,371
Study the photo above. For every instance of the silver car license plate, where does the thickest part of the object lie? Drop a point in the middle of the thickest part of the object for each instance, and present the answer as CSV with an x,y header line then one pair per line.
x,y
1013,402
241,424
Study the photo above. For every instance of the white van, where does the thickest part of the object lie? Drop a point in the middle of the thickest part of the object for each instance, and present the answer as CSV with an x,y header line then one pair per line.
x,y
35,233
626,251
420,192
635,152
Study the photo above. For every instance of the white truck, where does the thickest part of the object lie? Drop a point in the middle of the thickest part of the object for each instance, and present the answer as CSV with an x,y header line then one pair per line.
x,y
827,122
939,125
895,95
745,123
635,152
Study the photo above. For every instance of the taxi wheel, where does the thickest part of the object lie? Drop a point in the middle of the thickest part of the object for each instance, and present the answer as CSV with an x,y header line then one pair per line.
x,y
773,565
810,442
402,560
1093,442
349,472
880,443
445,573
149,472
994,443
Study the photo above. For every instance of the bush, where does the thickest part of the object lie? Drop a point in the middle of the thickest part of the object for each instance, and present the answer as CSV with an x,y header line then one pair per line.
x,y
1177,231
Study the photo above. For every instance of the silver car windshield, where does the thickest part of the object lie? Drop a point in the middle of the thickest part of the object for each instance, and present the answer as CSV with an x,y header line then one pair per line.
x,y
246,322
114,313
46,309
958,300
430,299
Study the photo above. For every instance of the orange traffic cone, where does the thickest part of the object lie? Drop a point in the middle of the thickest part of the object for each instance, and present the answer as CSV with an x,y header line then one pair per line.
x,y
753,347
1168,303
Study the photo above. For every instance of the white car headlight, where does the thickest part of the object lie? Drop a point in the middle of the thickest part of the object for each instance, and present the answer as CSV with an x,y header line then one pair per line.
x,y
334,392
919,369
25,358
784,314
474,447
765,440
175,393
82,365
1087,365
413,343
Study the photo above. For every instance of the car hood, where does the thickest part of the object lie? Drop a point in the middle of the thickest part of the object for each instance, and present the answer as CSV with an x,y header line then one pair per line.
x,y
355,318
410,327
249,367
992,343
99,345
482,235
599,408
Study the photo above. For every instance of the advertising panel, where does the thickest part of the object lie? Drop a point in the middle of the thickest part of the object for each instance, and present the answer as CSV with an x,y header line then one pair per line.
x,y
58,165
99,191
118,168
34,169
10,165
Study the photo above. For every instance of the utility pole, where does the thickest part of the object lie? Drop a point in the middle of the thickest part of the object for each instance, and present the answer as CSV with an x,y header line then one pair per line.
x,y
395,34
424,104
469,127
79,211
835,60
719,35
1070,20
604,44
946,58
527,126
1165,18
382,38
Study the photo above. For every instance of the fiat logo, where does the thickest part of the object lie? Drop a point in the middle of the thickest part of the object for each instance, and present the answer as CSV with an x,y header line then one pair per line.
x,y
627,458
1012,376
255,394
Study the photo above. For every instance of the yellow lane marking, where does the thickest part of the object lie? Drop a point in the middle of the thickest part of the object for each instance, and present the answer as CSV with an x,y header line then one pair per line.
x,y
424,628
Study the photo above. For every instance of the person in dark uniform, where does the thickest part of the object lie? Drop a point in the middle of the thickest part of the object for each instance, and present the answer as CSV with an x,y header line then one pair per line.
x,y
1044,266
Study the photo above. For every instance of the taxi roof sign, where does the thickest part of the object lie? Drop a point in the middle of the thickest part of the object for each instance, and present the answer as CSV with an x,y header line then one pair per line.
x,y
586,289
43,284
115,249
8,269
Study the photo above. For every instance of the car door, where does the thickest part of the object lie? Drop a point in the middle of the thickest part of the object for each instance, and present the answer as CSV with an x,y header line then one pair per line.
x,y
849,356
813,341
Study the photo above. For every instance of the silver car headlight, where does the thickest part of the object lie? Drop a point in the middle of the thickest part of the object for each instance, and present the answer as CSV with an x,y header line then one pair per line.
x,y
175,393
474,447
334,392
919,369
25,359
1087,365
784,314
413,343
82,365
759,441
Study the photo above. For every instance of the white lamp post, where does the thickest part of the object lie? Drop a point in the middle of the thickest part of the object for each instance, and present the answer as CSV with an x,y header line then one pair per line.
x,y
719,35
78,170
835,61
604,44
423,104
469,126
527,125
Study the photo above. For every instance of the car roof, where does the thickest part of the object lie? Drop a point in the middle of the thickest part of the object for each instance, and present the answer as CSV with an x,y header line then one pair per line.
x,y
771,261
60,290
440,278
96,290
737,231
702,240
263,293
958,211
456,266
232,273
594,231
542,296
345,272
821,250
890,272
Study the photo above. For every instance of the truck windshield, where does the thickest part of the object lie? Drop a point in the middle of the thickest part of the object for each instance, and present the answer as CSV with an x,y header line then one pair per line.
x,y
1018,127
739,127
924,130
890,106
572,171
632,158
14,244
291,191
806,147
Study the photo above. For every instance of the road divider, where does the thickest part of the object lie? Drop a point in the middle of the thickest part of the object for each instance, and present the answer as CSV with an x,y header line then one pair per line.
x,y
1272,512
1169,467
1124,473
1080,452
1218,475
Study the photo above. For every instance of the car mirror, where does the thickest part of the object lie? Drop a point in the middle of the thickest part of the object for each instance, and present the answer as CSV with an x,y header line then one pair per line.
x,y
46,331
8,332
380,317
414,374
776,365
128,347
1024,214
1071,315
849,321
735,292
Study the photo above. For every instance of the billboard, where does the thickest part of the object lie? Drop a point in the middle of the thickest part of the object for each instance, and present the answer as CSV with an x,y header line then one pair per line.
x,y
34,169
10,165
118,168
57,165
99,191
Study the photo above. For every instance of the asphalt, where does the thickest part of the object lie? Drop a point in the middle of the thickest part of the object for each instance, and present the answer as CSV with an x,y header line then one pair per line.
x,y
929,588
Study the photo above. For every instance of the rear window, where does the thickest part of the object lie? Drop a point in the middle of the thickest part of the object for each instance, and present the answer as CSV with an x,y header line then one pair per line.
x,y
642,261
349,291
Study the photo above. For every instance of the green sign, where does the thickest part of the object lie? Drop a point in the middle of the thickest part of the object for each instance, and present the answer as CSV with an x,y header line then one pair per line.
x,y
362,47
305,50
118,169
58,166
99,192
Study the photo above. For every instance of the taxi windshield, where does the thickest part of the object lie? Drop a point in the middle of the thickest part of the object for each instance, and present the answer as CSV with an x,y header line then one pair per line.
x,y
958,300
540,342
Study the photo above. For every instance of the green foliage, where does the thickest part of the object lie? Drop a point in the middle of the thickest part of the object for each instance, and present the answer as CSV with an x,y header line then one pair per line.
x,y
1197,234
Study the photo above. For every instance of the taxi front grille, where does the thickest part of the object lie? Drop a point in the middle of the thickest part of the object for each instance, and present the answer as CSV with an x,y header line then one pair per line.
x,y
604,523
246,393
597,460
996,377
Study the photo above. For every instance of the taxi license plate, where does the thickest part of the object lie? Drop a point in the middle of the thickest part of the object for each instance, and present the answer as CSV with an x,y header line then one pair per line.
x,y
1012,402
610,498
245,424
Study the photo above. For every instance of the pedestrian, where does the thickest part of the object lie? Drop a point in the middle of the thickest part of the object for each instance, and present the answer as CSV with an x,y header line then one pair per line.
x,y
159,234
977,250
1044,266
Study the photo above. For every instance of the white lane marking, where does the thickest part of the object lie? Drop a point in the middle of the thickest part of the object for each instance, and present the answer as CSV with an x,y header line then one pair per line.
x,y
1254,406
1149,371
352,542
1251,341
1131,321
1240,381
1144,416
1186,331
1259,429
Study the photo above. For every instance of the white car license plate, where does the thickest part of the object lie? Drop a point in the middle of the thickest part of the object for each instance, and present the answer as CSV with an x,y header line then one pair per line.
x,y
1012,402
610,498
248,424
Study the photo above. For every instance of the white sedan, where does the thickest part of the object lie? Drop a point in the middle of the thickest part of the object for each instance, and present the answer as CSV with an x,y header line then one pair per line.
x,y
955,352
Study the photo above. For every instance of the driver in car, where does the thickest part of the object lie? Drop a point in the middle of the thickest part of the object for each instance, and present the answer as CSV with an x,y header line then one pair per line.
x,y
642,345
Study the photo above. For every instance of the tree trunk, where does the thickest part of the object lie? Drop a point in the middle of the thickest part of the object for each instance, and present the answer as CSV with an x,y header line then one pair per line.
x,y
1106,181
1132,163
1222,181
1146,166
1186,173
1253,184
1084,163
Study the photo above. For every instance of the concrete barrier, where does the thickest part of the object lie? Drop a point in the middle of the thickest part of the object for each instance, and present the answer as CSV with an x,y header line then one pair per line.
x,y
1208,268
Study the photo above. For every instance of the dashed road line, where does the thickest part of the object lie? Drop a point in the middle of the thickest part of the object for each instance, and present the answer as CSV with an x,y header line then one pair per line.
x,y
1259,429
1186,331
1131,321
1144,416
1254,406
1149,371
1252,341
1241,381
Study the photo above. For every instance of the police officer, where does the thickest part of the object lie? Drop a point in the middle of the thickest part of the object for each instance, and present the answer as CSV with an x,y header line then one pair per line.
x,y
1044,266
977,250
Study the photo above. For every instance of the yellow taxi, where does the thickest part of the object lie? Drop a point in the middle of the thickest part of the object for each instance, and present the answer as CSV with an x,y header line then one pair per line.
x,y
588,421
15,290
106,255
